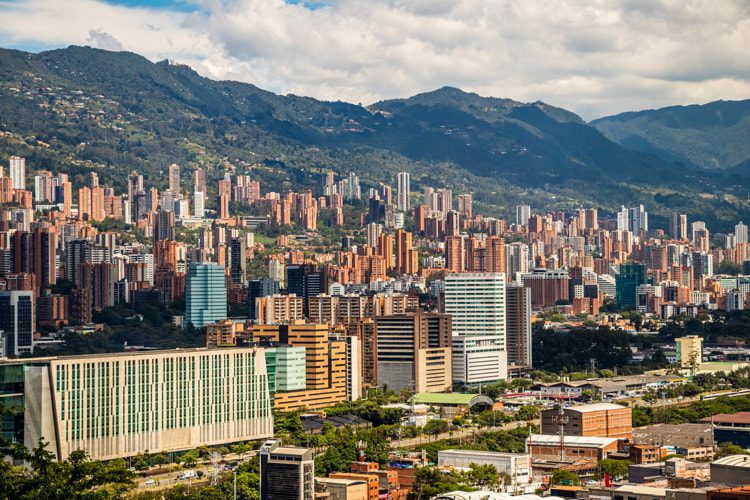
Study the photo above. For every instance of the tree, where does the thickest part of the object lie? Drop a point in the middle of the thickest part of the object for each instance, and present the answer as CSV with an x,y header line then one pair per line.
x,y
561,476
483,476
617,469
528,412
435,427
76,477
726,449
190,458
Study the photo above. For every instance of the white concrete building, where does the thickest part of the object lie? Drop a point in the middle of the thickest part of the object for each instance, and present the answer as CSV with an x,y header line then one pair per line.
x,y
516,465
404,191
122,404
476,303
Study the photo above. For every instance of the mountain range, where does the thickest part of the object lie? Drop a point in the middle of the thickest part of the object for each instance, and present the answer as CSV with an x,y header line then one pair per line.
x,y
80,109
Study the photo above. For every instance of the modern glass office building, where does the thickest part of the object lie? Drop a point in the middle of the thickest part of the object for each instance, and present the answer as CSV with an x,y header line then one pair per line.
x,y
206,294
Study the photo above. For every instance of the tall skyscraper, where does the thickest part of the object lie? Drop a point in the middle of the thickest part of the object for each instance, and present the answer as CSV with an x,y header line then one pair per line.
x,y
404,191
286,473
476,303
174,178
17,320
523,214
205,294
18,172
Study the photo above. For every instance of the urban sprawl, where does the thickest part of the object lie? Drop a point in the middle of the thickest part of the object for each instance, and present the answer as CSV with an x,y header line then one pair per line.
x,y
367,342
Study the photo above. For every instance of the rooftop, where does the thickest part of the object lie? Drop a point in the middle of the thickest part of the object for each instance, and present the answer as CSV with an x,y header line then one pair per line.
x,y
596,407
150,352
337,480
483,453
742,417
446,398
287,450
734,461
554,440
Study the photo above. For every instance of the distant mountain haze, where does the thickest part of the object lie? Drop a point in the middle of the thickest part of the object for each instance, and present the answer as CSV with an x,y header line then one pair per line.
x,y
711,136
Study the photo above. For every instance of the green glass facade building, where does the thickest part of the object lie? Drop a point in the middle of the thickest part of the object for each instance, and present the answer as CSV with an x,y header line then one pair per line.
x,y
286,368
206,295
630,276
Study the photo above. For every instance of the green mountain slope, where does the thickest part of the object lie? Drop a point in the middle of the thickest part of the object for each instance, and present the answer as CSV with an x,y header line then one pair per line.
x,y
711,136
78,109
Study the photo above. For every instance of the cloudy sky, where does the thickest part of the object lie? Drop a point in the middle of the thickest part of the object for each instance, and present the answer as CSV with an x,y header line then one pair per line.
x,y
593,57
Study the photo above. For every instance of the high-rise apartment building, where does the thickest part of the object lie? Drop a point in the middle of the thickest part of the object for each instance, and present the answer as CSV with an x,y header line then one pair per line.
x,y
18,172
44,187
286,473
740,233
465,206
588,218
206,294
455,254
17,322
476,303
414,351
199,204
517,258
523,214
633,219
518,326
547,287
406,257
199,180
120,404
164,225
678,226
262,287
404,191
174,178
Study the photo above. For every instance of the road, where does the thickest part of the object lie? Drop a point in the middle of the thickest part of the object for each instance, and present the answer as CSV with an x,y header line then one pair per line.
x,y
169,476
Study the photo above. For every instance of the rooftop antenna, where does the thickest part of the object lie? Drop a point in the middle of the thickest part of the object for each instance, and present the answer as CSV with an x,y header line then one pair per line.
x,y
561,419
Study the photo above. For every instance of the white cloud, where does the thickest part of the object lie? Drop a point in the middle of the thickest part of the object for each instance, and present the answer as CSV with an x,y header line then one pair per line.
x,y
595,57
103,40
